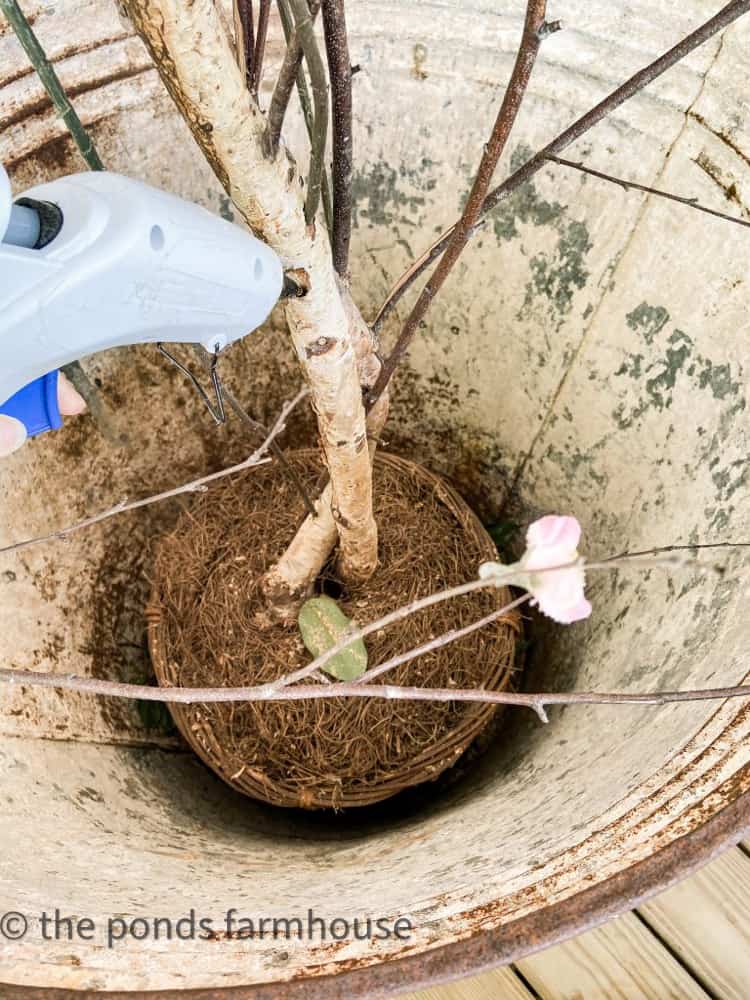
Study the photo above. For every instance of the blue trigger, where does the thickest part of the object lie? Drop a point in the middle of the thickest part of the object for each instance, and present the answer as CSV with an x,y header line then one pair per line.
x,y
36,405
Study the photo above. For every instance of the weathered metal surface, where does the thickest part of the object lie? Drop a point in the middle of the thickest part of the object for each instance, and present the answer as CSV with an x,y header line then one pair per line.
x,y
593,347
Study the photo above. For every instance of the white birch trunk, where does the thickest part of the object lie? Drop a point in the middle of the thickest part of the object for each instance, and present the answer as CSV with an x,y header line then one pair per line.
x,y
195,59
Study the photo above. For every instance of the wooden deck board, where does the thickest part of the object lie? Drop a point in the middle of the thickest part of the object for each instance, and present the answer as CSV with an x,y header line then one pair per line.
x,y
706,921
500,984
620,961
691,942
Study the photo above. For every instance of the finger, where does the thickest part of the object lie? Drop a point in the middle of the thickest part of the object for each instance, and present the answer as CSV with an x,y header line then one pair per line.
x,y
70,402
12,434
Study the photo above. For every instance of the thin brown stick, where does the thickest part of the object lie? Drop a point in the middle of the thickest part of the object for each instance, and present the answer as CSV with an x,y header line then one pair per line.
x,y
287,23
282,92
257,427
289,73
303,23
637,82
260,47
244,37
634,186
533,32
196,486
340,74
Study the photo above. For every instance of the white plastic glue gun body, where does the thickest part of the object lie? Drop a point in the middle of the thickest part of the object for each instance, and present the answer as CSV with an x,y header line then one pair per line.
x,y
125,264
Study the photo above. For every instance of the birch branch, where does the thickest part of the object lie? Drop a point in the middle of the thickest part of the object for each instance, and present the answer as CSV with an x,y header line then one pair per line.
x,y
291,579
196,486
534,30
209,90
731,12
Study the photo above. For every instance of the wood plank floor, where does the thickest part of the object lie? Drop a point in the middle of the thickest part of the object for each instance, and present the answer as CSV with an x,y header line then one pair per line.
x,y
692,942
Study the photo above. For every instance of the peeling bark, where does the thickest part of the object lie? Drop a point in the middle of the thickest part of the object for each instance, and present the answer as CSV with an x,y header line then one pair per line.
x,y
195,59
290,581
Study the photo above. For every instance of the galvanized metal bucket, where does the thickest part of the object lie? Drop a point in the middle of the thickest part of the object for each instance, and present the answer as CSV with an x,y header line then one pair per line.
x,y
593,349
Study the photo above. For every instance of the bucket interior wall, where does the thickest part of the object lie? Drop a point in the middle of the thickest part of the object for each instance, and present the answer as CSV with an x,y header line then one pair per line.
x,y
591,348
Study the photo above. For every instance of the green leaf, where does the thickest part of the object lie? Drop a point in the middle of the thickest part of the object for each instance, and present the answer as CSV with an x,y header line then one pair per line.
x,y
322,624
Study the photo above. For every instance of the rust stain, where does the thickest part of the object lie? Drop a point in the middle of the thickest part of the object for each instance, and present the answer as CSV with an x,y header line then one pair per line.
x,y
44,104
68,51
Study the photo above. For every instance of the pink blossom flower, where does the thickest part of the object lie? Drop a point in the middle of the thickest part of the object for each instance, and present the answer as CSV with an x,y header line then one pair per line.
x,y
551,541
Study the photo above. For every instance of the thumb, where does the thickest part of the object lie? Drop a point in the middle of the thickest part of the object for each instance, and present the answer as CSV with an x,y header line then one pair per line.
x,y
70,402
12,434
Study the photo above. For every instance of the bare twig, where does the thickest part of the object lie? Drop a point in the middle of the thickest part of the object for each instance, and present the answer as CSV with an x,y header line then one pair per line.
x,y
304,692
255,425
637,82
673,549
303,93
340,73
260,47
461,232
51,82
390,619
283,691
632,185
196,486
666,557
244,37
440,640
303,23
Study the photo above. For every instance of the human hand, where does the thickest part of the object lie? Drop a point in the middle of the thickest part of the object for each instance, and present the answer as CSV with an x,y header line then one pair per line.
x,y
13,432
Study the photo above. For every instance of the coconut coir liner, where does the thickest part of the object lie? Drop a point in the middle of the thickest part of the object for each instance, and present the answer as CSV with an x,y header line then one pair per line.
x,y
204,630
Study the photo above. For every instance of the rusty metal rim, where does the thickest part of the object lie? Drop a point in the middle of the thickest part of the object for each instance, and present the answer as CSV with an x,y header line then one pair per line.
x,y
485,950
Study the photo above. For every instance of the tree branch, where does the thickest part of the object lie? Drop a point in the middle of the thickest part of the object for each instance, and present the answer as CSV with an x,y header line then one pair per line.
x,y
244,37
305,692
340,73
461,232
637,82
632,185
210,92
260,47
282,93
303,24
196,486
306,104
667,557
441,640
284,690
254,425
51,82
